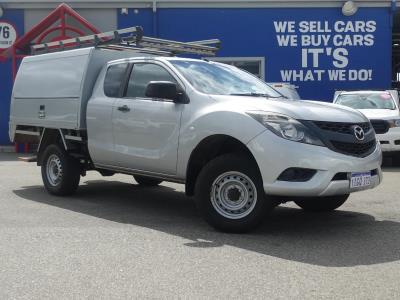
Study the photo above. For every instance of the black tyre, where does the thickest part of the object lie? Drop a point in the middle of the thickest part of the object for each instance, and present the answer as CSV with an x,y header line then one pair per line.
x,y
229,194
147,181
321,204
396,159
60,172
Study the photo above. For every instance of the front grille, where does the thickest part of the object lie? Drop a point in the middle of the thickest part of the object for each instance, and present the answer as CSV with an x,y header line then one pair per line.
x,y
355,149
340,176
346,128
380,126
345,176
340,137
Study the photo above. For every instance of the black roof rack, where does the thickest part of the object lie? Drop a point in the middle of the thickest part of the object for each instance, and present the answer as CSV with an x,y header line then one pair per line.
x,y
130,39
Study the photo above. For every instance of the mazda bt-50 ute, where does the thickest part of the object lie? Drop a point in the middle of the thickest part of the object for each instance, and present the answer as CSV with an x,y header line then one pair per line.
x,y
238,147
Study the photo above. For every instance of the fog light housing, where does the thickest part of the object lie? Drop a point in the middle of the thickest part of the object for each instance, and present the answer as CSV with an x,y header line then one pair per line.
x,y
297,175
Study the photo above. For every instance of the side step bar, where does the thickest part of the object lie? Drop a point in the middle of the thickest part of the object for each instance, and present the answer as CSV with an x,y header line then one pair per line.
x,y
28,158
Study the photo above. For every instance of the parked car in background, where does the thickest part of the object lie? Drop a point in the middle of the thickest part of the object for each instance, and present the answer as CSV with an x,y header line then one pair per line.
x,y
382,109
286,89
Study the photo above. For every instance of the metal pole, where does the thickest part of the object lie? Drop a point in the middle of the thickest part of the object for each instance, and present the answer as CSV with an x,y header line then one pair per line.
x,y
14,74
155,19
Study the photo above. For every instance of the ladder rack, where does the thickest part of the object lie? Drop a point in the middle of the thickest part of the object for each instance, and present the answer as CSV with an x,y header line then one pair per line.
x,y
130,39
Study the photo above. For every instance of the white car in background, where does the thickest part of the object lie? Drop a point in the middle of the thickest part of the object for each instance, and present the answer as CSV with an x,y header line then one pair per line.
x,y
382,109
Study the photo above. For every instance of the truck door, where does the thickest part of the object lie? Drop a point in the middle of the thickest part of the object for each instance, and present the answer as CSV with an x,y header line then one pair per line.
x,y
146,130
99,115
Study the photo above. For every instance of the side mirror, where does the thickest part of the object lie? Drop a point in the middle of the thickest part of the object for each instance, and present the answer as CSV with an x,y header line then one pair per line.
x,y
164,90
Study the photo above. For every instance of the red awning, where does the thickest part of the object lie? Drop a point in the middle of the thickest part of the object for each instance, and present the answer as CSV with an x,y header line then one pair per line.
x,y
54,22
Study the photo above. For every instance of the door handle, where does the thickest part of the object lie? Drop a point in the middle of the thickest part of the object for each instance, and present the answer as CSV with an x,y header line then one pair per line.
x,y
42,112
124,108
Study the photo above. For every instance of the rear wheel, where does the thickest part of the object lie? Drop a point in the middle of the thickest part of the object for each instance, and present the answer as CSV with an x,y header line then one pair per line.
x,y
229,194
60,172
322,204
147,181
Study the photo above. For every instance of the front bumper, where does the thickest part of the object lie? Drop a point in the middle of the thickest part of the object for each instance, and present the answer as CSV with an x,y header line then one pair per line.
x,y
274,155
389,140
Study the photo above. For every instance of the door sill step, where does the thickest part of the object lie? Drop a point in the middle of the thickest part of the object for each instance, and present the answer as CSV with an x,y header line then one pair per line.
x,y
28,158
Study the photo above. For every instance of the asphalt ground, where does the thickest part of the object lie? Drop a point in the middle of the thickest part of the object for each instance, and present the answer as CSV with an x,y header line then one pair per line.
x,y
117,240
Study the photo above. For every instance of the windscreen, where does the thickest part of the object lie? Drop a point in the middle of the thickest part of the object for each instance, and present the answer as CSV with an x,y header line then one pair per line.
x,y
367,101
217,79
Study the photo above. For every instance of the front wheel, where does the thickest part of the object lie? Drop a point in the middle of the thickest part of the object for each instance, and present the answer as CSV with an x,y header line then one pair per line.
x,y
60,172
322,204
229,194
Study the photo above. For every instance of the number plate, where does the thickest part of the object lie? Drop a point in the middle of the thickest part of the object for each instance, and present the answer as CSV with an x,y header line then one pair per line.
x,y
360,179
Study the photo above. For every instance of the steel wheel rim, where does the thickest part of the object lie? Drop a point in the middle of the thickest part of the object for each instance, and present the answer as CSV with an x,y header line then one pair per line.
x,y
54,170
233,195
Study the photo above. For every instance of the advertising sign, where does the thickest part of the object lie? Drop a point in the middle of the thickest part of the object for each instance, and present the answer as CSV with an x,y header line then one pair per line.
x,y
324,51
327,41
320,50
8,35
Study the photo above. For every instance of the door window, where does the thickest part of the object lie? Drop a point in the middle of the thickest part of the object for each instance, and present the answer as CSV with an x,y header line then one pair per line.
x,y
114,77
141,75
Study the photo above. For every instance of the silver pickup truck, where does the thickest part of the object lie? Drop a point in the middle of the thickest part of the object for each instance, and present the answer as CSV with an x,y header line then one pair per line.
x,y
239,148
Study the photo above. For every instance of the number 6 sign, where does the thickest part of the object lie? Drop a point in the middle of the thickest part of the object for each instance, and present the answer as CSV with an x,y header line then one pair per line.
x,y
8,35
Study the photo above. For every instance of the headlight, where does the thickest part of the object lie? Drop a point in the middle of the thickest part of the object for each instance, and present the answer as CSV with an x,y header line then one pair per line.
x,y
394,123
286,127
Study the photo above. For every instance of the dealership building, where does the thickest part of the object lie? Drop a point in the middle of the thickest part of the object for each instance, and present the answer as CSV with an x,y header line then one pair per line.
x,y
319,46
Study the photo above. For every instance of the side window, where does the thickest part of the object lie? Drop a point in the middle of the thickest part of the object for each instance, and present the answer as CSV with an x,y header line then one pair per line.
x,y
114,77
141,75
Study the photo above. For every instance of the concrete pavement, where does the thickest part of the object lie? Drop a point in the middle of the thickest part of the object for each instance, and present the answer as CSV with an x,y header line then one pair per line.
x,y
116,240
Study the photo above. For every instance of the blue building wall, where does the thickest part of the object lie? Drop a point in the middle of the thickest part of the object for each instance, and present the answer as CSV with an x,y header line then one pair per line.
x,y
15,17
347,53
278,34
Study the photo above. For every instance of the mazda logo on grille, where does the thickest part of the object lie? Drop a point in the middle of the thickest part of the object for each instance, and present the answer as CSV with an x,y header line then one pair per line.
x,y
359,133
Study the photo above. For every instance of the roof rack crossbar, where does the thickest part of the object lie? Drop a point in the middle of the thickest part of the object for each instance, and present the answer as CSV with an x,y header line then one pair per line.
x,y
135,49
131,39
214,42
90,40
178,47
176,44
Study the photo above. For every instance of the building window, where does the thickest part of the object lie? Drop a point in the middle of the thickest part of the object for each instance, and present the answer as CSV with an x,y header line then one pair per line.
x,y
253,65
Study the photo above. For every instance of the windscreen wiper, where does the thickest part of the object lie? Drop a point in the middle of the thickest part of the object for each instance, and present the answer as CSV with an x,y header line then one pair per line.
x,y
281,96
253,94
